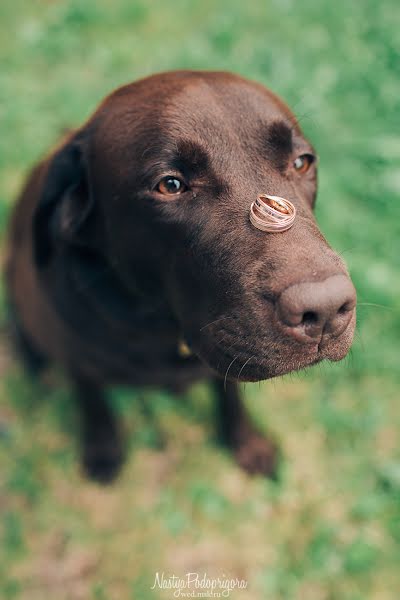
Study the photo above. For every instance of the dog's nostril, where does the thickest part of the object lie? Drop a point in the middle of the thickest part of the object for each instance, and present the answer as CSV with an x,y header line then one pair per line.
x,y
344,308
309,318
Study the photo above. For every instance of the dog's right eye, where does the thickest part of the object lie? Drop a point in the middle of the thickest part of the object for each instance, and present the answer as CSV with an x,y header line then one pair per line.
x,y
171,186
303,162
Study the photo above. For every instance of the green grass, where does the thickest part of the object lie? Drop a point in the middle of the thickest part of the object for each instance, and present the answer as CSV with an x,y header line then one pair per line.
x,y
330,529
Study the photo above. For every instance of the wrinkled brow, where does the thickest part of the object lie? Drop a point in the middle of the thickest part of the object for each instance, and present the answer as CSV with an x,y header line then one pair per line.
x,y
277,141
191,157
184,156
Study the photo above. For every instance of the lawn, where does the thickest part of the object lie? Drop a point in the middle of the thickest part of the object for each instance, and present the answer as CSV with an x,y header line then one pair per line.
x,y
329,529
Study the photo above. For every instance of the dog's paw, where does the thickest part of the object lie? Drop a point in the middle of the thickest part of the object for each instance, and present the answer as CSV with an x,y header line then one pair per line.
x,y
102,459
257,455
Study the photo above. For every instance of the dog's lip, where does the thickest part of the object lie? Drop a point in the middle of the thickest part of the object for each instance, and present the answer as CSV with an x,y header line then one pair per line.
x,y
257,366
254,367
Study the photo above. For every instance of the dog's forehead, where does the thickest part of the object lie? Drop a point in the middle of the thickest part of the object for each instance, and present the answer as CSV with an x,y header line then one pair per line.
x,y
194,100
230,118
226,102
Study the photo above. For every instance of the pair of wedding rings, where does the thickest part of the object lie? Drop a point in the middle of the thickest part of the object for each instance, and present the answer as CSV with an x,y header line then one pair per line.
x,y
272,213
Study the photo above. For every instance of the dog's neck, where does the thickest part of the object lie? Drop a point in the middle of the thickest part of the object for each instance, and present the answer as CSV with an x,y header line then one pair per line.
x,y
89,287
124,337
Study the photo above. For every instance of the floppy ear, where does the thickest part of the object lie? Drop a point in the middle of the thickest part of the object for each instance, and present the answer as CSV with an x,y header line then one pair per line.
x,y
65,203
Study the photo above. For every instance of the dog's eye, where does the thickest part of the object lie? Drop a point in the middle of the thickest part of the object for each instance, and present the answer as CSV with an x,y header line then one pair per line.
x,y
171,186
303,162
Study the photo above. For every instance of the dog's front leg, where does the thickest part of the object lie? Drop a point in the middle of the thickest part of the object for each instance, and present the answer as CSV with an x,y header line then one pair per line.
x,y
102,453
254,452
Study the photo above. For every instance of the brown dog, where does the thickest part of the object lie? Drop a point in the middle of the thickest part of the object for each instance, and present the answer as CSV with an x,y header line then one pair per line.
x,y
134,235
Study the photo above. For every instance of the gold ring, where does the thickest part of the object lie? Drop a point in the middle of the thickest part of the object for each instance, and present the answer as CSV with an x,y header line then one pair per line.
x,y
272,213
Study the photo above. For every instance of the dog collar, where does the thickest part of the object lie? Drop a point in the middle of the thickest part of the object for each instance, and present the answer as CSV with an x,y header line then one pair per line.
x,y
183,349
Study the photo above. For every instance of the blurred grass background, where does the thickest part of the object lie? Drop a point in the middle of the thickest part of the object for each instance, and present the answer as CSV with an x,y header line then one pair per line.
x,y
330,529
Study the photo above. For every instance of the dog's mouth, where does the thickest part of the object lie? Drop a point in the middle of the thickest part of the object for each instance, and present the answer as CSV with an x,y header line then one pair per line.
x,y
251,358
242,366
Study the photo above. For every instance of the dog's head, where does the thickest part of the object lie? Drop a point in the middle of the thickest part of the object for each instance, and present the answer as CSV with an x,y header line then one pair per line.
x,y
160,181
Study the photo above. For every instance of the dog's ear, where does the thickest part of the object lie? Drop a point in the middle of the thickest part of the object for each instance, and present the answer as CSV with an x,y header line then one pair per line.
x,y
66,202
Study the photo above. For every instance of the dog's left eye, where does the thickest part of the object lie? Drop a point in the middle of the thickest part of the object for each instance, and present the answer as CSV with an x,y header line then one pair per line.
x,y
303,162
171,186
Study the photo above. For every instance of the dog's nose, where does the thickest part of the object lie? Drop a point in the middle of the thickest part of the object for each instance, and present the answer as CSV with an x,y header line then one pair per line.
x,y
310,310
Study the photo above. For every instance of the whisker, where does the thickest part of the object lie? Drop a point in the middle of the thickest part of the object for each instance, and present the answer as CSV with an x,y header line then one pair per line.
x,y
346,250
226,374
359,339
374,304
216,321
350,359
243,366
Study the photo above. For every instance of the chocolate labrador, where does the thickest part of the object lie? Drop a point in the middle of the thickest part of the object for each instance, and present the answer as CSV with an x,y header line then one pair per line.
x,y
132,258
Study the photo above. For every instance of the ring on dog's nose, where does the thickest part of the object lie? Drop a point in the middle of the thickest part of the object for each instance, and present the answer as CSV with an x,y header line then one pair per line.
x,y
272,213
